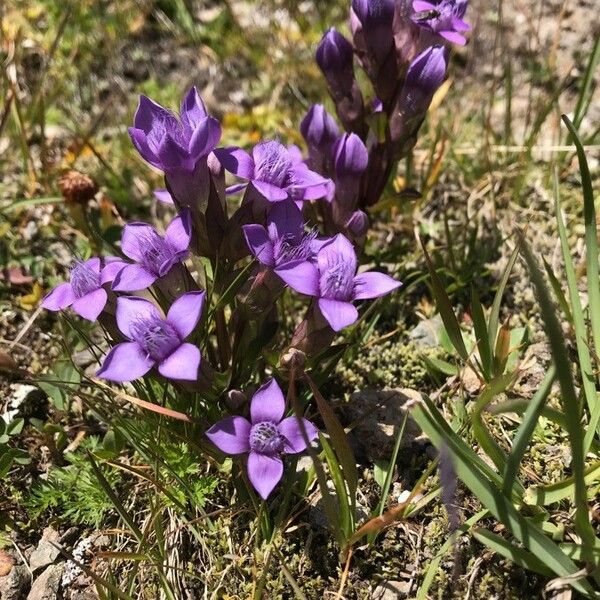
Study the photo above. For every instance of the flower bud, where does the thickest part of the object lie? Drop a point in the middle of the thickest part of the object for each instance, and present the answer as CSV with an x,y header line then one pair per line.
x,y
351,156
358,223
376,18
334,53
319,128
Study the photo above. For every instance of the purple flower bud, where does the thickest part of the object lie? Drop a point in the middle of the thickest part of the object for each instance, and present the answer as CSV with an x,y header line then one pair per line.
x,y
424,76
351,156
319,128
358,223
376,18
334,53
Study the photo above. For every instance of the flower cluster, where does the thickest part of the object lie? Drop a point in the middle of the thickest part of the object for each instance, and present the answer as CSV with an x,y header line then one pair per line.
x,y
401,50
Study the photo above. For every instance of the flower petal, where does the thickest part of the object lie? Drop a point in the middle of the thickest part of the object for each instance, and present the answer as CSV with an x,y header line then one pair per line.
x,y
138,137
131,309
192,110
291,430
259,243
183,363
112,267
231,435
300,276
150,113
264,472
338,314
185,312
172,154
285,220
93,263
373,285
454,37
59,298
269,191
179,231
234,189
267,404
125,362
339,249
91,305
422,6
164,196
205,137
133,278
133,239
236,161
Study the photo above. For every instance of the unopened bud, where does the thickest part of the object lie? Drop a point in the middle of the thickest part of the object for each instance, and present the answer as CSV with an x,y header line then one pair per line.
x,y
358,223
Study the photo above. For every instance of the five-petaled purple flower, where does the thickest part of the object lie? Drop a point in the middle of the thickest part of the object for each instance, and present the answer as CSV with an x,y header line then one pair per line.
x,y
274,171
443,17
172,144
265,437
333,280
154,340
84,291
283,240
154,254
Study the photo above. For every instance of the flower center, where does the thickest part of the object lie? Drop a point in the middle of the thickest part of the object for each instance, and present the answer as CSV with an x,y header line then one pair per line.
x,y
158,255
84,279
157,337
265,438
337,281
294,247
274,165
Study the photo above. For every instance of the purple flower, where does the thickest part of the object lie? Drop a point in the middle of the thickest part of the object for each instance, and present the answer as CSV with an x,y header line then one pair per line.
x,y
264,438
154,254
443,17
283,239
333,280
358,223
84,291
424,76
351,156
154,340
320,131
274,171
172,144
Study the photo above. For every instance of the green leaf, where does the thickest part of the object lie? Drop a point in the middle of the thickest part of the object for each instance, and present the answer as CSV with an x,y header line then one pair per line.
x,y
445,308
519,556
525,431
486,490
481,333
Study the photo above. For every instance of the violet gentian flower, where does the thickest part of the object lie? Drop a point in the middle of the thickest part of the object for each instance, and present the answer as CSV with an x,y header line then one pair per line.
x,y
265,437
274,171
179,147
333,280
283,239
442,17
169,143
84,291
154,340
154,254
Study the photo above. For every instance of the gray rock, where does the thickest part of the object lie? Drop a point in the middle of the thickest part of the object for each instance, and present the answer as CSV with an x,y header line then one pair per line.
x,y
378,416
14,585
427,333
46,552
391,590
45,587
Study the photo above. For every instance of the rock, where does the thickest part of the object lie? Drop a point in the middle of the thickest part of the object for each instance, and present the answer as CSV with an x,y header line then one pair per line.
x,y
379,415
45,587
6,563
391,590
427,333
14,585
46,552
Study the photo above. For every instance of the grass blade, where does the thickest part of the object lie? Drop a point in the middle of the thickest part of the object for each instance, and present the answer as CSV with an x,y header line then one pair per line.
x,y
525,431
481,333
571,405
583,102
